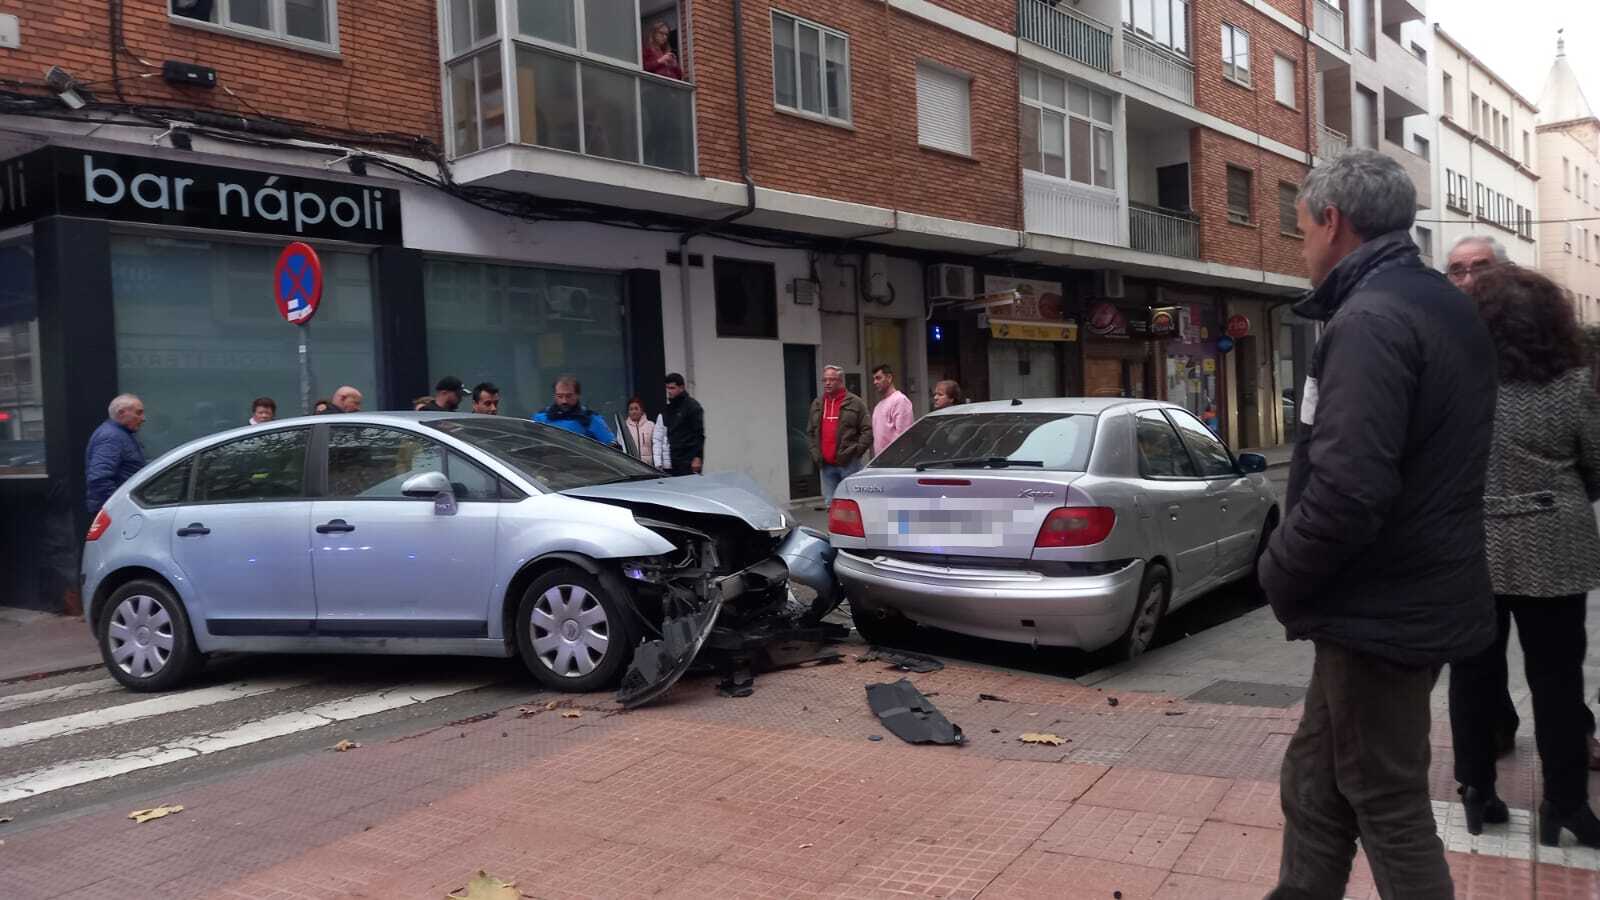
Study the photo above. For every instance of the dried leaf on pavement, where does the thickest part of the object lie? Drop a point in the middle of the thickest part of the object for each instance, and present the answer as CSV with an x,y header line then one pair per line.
x,y
571,713
807,846
484,886
141,816
1035,737
342,746
550,705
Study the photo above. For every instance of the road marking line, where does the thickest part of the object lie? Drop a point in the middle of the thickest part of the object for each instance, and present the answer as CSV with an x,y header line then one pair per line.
x,y
82,771
61,726
58,694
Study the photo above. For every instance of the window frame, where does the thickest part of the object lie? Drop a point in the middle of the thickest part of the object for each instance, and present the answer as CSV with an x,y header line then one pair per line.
x,y
1175,27
308,471
278,17
823,33
325,468
1246,218
1174,415
1293,219
1155,415
716,299
137,495
1230,54
1294,77
939,70
1038,104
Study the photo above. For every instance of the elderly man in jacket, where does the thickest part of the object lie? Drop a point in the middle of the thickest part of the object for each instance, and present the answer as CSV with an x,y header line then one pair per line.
x,y
113,454
1380,558
840,431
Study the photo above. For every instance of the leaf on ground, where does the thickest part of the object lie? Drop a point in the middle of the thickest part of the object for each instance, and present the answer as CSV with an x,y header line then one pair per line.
x,y
141,816
1035,737
571,713
551,705
484,886
807,846
342,746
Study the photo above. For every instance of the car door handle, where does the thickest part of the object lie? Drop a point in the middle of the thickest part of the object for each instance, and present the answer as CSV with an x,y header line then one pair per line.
x,y
193,528
336,526
1173,510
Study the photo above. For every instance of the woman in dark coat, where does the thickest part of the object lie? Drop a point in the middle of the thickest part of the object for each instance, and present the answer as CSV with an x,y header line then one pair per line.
x,y
1544,551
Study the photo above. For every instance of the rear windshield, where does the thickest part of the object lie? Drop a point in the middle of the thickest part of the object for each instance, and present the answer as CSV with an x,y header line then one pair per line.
x,y
1058,441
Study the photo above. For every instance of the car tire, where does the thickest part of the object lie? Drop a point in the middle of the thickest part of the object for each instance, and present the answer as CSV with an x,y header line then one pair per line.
x,y
882,628
145,639
573,630
1267,528
1155,591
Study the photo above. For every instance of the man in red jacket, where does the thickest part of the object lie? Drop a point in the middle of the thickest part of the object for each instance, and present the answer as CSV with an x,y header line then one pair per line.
x,y
840,432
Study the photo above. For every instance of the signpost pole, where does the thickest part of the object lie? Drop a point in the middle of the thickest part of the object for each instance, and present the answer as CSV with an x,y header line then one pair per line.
x,y
297,288
305,371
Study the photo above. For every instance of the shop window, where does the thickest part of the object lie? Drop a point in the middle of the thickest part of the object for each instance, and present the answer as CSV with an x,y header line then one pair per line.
x,y
1239,191
521,327
269,466
21,396
1288,214
810,68
311,22
747,298
1161,451
198,336
1066,129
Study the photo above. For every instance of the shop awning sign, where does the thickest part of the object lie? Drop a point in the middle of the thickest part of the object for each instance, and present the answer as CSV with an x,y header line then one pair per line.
x,y
1011,330
297,283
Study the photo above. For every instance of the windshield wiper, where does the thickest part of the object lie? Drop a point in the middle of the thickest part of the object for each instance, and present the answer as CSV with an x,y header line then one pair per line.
x,y
979,462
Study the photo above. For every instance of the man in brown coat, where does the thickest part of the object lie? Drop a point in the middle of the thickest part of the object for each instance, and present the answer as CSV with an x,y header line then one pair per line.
x,y
840,432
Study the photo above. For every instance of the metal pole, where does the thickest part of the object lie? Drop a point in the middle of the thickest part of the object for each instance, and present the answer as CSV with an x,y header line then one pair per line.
x,y
305,371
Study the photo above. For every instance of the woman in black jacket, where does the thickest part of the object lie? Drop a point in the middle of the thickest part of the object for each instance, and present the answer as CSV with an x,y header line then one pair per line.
x,y
1543,548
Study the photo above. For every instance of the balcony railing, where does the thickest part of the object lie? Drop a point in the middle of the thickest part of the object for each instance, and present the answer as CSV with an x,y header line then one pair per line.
x,y
1331,143
1157,68
1065,209
1071,34
1164,231
1328,20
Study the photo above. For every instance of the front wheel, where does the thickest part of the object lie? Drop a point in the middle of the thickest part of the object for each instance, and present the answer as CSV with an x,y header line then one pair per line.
x,y
145,639
1147,615
573,631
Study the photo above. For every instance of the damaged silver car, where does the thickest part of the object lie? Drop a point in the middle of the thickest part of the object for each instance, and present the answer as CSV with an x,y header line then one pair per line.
x,y
435,533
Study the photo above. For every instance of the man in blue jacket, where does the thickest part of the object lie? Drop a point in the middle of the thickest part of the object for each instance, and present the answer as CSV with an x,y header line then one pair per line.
x,y
114,453
568,412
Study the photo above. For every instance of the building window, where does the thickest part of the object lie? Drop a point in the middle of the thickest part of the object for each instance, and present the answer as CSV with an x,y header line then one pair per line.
x,y
1288,218
747,298
1239,191
1425,243
944,109
1283,80
1566,174
1449,96
1527,149
1165,22
810,68
1066,129
1421,146
311,22
1472,110
21,394
1236,54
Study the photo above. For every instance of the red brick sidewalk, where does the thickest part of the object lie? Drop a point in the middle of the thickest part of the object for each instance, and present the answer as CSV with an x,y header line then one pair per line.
x,y
778,795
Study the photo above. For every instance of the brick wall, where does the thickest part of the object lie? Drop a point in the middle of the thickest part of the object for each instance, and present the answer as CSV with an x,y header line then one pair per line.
x,y
1260,244
1252,107
385,78
1295,8
876,160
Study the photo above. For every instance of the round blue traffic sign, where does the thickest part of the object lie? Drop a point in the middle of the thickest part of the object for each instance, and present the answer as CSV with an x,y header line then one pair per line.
x,y
297,283
1224,344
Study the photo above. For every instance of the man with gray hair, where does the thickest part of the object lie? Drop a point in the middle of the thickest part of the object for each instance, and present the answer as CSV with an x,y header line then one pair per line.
x,y
114,453
1472,256
1380,558
840,432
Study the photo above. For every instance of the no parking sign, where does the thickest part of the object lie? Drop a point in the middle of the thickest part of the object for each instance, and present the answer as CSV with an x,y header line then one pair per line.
x,y
297,283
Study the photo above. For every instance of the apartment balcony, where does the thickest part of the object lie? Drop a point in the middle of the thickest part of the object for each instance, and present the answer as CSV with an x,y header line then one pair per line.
x,y
1419,169
1328,22
1157,68
1065,209
1067,32
1401,72
1331,143
1165,231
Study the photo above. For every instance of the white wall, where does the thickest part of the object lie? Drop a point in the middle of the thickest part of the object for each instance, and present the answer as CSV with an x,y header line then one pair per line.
x,y
1150,150
841,329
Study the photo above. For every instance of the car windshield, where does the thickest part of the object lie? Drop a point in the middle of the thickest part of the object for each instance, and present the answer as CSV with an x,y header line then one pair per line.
x,y
1053,441
553,457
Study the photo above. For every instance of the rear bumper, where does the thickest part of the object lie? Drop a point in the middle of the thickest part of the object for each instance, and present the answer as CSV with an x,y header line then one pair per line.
x,y
1088,612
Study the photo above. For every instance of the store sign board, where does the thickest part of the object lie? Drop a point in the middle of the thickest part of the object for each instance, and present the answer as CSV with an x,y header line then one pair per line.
x,y
1037,301
1238,326
1033,331
96,185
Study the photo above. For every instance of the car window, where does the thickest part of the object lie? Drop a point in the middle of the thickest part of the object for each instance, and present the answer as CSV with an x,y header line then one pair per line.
x,y
1161,451
1060,441
471,481
168,488
372,463
269,466
1209,453
552,457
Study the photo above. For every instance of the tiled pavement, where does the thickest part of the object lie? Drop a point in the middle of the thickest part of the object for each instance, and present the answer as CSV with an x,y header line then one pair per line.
x,y
780,795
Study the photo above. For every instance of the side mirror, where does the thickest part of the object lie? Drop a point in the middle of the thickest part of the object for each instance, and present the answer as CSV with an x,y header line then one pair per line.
x,y
426,486
1252,463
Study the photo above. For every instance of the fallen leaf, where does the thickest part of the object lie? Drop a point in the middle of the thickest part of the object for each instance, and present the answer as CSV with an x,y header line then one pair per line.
x,y
571,713
342,746
807,846
550,705
484,886
1034,737
141,816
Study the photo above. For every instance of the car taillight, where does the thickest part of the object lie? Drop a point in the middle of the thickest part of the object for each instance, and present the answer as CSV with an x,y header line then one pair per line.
x,y
844,519
98,526
1076,526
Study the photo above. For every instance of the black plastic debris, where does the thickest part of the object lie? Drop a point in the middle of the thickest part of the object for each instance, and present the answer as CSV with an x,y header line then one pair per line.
x,y
910,716
992,698
902,660
657,665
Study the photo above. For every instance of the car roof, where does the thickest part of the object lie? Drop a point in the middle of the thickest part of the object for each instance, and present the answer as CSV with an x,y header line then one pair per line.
x,y
1087,406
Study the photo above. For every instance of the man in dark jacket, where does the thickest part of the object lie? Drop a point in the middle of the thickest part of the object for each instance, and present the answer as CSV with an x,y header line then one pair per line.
x,y
686,428
446,396
840,430
113,454
1380,559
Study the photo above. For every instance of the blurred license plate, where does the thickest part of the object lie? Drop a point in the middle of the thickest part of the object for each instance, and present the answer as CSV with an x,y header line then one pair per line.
x,y
945,521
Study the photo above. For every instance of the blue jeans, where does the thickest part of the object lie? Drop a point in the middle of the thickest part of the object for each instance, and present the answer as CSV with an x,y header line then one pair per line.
x,y
832,475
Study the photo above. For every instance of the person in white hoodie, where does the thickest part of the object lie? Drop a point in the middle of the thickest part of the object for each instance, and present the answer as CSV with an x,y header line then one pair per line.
x,y
643,439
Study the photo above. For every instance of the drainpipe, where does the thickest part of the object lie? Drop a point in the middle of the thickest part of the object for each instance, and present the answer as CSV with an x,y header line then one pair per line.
x,y
749,195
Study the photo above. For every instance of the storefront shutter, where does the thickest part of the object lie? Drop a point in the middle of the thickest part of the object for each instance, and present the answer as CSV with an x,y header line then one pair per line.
x,y
944,116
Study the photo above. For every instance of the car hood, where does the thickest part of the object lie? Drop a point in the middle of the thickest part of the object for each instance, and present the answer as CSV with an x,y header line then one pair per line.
x,y
724,494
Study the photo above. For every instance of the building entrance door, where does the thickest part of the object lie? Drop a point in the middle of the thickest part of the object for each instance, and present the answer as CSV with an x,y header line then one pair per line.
x,y
886,345
799,389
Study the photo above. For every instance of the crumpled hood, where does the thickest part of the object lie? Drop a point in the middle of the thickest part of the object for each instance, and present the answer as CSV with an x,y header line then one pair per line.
x,y
725,494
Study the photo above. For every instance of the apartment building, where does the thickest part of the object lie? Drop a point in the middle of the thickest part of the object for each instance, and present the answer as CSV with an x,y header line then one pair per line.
x,y
1569,229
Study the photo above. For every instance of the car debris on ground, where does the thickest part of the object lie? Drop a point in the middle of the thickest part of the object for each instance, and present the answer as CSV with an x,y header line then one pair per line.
x,y
911,716
902,660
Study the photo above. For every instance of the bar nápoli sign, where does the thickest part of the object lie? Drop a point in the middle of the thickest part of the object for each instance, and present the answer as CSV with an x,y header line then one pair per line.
x,y
95,185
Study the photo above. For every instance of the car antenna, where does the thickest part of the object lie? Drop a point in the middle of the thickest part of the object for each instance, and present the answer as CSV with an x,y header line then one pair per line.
x,y
1015,402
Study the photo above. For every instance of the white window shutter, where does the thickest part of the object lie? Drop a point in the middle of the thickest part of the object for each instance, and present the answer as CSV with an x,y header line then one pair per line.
x,y
944,102
1283,80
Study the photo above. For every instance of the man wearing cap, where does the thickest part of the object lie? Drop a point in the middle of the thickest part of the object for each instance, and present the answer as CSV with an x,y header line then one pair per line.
x,y
446,396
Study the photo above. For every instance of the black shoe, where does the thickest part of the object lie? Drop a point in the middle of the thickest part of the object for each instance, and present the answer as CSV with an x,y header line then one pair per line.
x,y
1581,822
1482,806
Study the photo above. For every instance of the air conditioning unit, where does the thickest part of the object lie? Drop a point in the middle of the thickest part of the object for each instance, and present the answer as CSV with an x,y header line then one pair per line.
x,y
564,302
1114,288
948,282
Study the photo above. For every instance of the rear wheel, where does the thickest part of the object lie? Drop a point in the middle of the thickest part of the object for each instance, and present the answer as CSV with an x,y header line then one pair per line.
x,y
145,639
882,627
573,631
1154,593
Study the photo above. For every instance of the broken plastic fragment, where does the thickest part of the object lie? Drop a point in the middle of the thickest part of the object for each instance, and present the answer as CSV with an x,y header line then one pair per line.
x,y
571,713
141,816
1034,737
992,698
902,660
910,716
342,746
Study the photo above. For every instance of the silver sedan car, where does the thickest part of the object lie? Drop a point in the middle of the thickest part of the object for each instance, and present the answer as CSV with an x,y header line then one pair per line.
x,y
1065,522
433,533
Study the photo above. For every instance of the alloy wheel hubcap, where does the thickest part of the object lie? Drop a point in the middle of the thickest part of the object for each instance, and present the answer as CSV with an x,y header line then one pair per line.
x,y
571,633
1144,628
141,636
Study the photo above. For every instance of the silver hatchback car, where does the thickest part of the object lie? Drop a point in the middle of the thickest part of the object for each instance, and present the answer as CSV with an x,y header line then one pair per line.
x,y
1065,522
431,533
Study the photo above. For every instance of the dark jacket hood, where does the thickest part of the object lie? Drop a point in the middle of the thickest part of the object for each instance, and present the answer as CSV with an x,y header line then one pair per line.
x,y
1372,257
